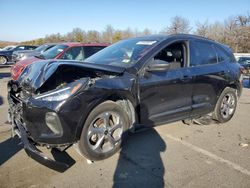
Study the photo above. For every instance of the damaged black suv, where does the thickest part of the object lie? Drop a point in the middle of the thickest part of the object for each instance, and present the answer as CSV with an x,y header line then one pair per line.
x,y
140,81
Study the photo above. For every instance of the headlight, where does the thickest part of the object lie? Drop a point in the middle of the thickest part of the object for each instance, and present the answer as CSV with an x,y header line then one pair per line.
x,y
20,55
60,94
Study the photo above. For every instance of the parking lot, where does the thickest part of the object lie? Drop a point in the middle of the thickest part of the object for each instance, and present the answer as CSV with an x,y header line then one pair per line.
x,y
172,155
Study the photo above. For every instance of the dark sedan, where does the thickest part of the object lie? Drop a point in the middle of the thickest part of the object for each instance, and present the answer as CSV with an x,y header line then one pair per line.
x,y
24,54
6,55
245,62
140,81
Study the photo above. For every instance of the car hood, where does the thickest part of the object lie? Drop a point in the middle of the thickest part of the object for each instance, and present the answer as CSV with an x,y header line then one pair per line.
x,y
24,51
25,62
6,51
36,74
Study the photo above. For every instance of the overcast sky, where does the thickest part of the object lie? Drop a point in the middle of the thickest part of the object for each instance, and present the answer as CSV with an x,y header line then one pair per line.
x,y
30,19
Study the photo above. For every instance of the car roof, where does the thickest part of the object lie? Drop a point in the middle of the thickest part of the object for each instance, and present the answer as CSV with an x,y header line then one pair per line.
x,y
162,37
70,44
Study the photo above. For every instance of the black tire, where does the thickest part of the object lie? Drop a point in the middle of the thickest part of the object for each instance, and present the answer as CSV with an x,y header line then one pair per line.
x,y
3,60
105,112
226,105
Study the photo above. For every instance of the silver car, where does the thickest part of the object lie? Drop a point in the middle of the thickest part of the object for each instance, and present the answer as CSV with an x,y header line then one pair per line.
x,y
24,54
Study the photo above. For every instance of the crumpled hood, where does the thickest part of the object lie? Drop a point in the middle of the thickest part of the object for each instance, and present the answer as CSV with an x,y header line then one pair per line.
x,y
36,74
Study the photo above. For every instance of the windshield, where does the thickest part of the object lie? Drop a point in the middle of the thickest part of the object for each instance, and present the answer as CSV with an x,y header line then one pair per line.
x,y
125,53
53,52
42,47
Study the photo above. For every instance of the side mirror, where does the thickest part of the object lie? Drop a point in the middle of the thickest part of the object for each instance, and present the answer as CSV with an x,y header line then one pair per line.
x,y
158,66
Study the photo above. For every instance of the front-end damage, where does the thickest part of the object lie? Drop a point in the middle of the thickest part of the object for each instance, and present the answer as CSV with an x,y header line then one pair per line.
x,y
50,100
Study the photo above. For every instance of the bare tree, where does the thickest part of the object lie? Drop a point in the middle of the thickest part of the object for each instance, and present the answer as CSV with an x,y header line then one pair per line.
x,y
202,28
146,31
178,25
234,32
107,35
128,33
93,36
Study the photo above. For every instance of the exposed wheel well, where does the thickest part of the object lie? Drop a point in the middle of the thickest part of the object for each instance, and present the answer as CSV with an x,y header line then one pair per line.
x,y
127,106
234,86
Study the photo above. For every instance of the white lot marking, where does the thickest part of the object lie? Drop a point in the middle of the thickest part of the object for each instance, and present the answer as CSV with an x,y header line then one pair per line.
x,y
211,155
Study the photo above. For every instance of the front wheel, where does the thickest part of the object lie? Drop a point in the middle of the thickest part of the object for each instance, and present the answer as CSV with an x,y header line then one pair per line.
x,y
3,60
103,131
226,105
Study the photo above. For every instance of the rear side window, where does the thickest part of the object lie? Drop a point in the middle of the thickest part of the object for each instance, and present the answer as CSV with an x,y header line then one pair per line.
x,y
221,55
202,53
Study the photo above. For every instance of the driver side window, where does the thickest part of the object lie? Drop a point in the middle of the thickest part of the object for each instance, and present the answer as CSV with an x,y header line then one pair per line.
x,y
174,54
74,53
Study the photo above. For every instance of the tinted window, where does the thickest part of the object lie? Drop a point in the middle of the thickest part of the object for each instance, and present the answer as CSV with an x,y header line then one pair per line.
x,y
74,53
90,50
30,47
202,53
221,55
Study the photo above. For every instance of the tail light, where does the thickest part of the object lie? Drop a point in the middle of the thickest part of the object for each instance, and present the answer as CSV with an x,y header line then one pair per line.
x,y
16,71
243,70
242,73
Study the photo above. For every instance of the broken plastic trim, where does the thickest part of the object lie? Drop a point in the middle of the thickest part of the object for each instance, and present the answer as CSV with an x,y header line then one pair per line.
x,y
37,155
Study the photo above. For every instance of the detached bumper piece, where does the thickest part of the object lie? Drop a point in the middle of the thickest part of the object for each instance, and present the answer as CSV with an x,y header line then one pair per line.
x,y
37,155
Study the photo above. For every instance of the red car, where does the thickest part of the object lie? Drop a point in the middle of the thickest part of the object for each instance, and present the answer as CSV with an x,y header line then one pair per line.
x,y
68,51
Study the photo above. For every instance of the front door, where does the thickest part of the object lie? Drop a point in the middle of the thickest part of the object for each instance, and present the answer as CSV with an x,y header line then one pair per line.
x,y
166,95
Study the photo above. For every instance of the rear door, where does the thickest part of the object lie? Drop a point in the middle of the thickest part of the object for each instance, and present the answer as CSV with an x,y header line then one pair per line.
x,y
209,76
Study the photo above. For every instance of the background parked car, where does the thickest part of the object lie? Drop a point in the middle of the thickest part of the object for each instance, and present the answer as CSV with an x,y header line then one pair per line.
x,y
67,51
24,54
8,47
6,55
244,62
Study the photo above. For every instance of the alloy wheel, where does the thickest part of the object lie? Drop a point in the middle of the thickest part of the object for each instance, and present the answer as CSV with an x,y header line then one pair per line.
x,y
105,132
228,105
3,60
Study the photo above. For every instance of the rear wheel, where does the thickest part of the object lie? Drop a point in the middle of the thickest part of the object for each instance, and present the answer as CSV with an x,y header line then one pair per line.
x,y
3,60
226,105
103,131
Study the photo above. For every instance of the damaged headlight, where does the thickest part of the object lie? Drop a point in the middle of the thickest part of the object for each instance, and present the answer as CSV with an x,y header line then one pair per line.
x,y
60,94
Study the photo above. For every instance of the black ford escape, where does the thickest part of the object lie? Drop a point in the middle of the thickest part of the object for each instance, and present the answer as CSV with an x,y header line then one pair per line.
x,y
140,81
